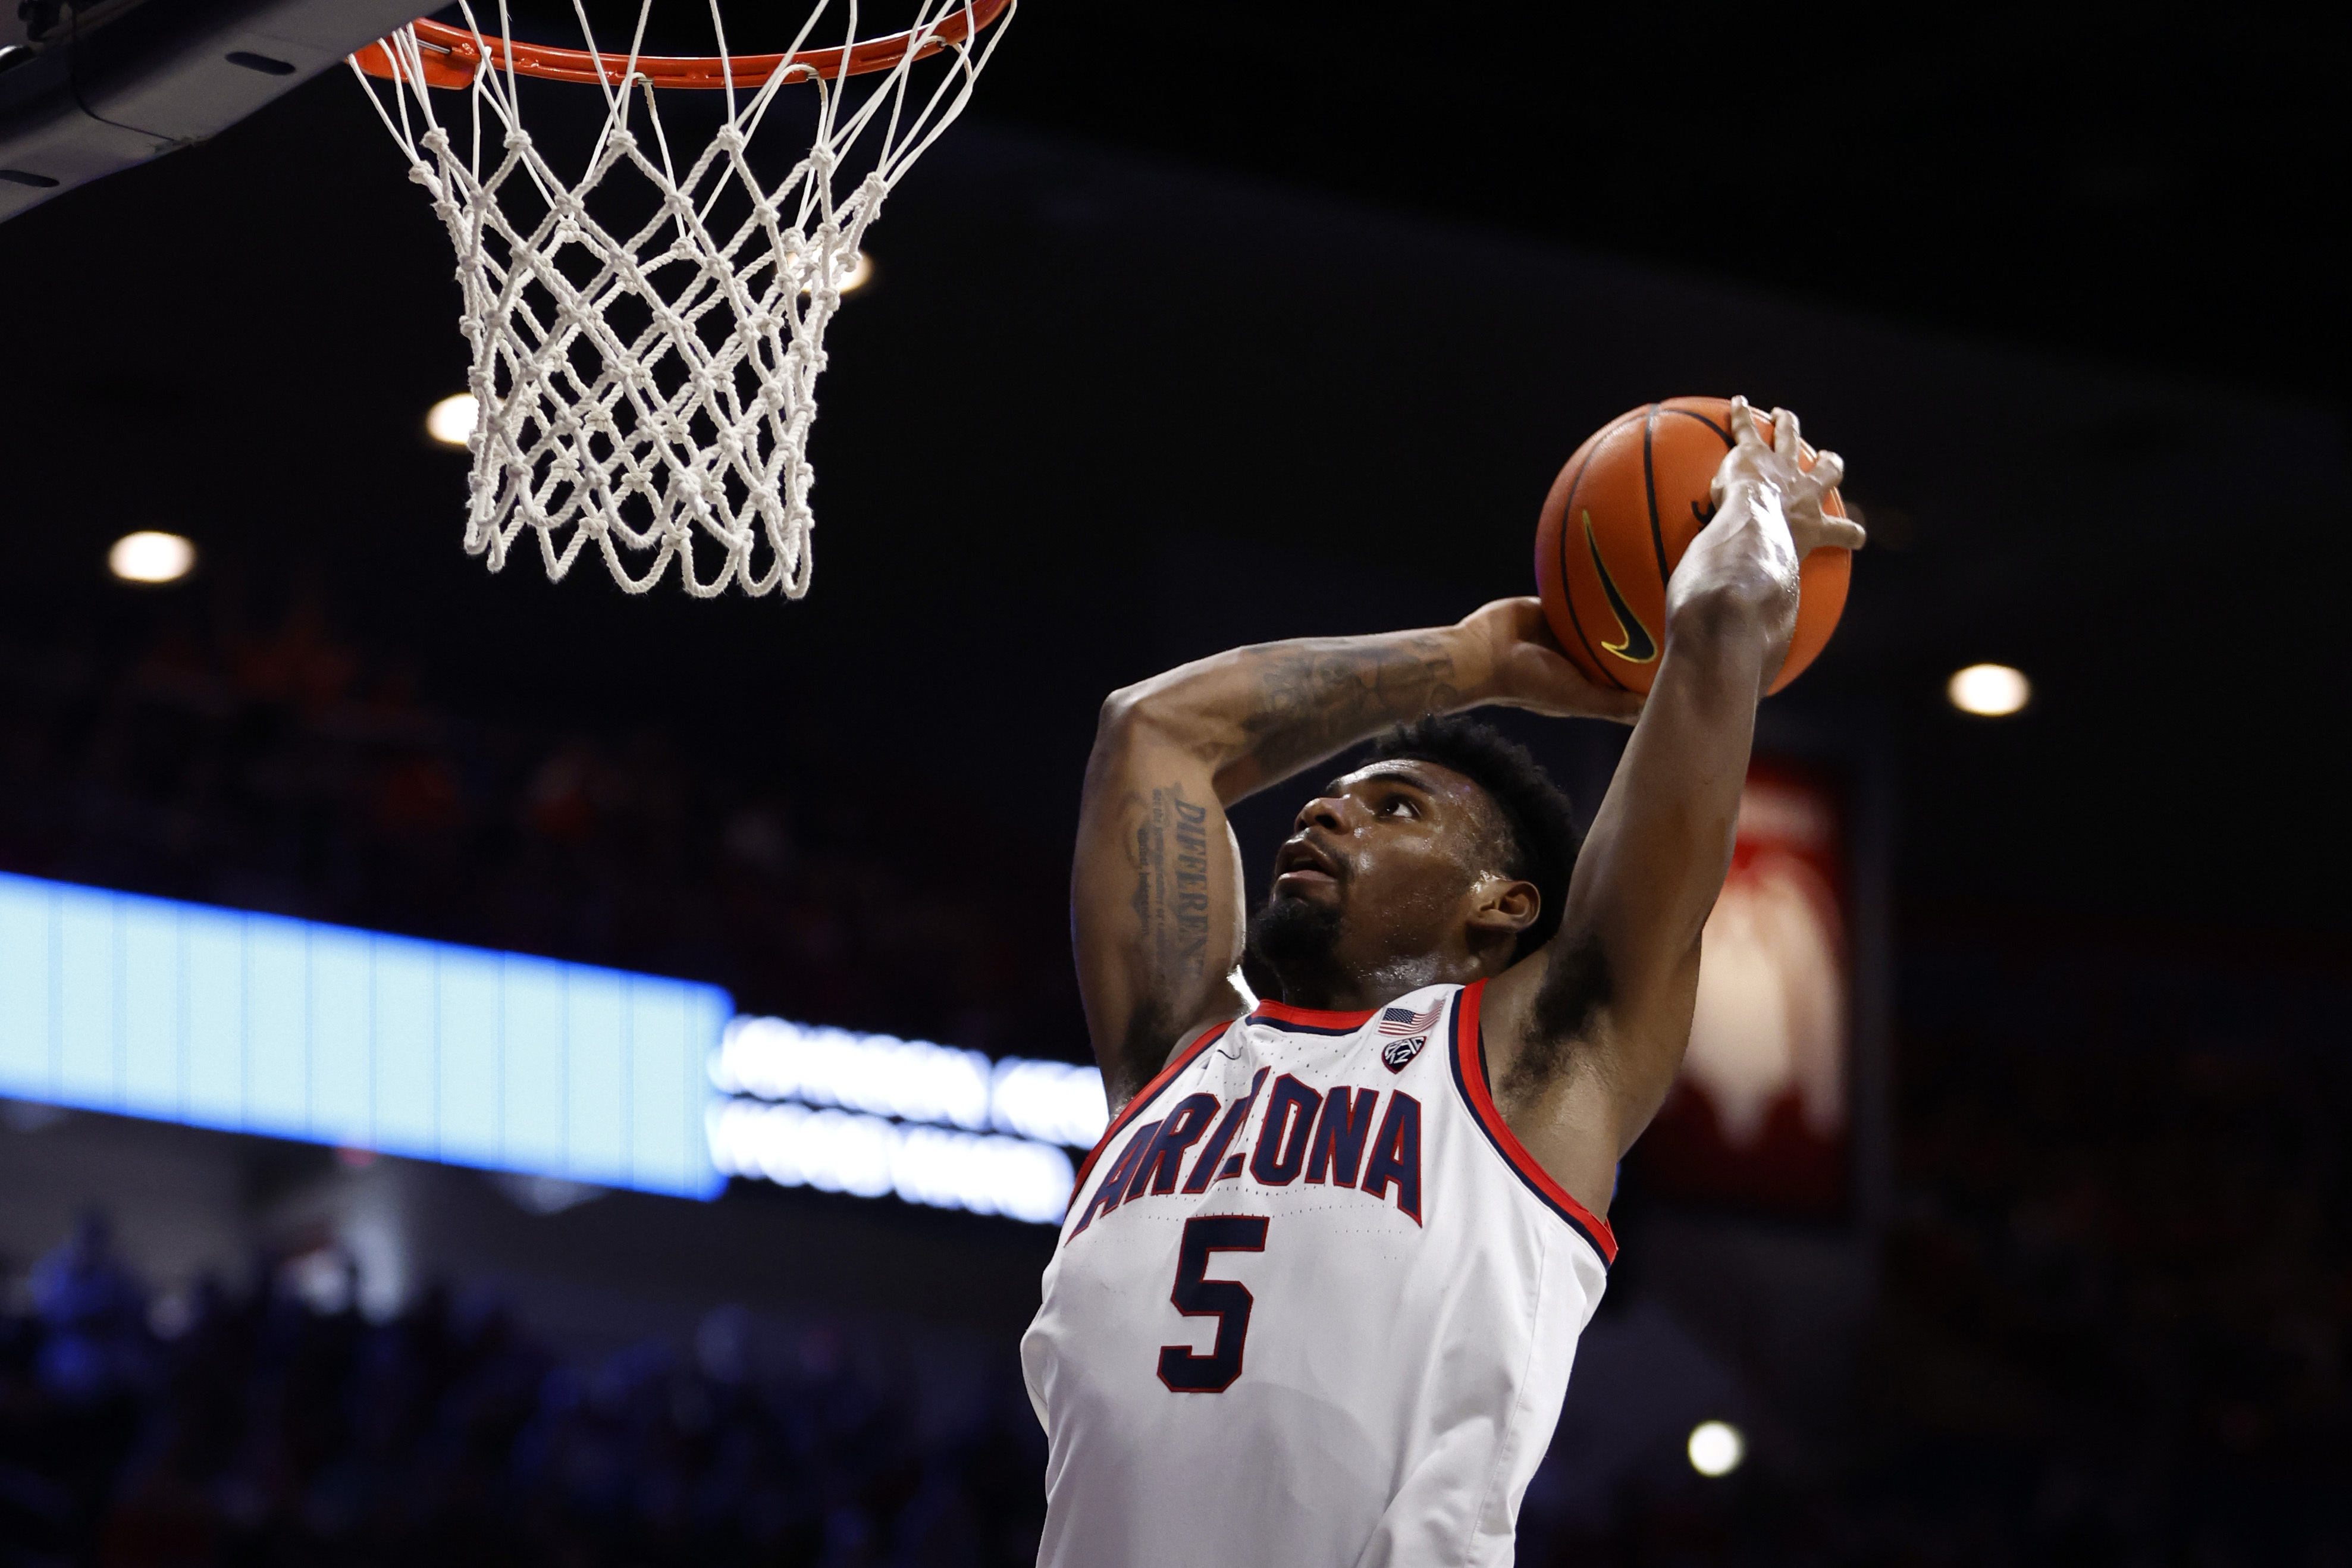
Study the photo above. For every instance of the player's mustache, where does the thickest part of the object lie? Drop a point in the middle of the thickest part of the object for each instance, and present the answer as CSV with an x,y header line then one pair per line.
x,y
1300,852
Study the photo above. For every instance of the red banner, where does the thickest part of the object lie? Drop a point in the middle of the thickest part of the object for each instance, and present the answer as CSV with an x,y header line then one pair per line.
x,y
1758,1116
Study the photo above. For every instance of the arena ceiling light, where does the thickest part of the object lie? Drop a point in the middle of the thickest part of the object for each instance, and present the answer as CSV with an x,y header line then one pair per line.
x,y
151,557
1716,1447
860,273
451,420
1989,690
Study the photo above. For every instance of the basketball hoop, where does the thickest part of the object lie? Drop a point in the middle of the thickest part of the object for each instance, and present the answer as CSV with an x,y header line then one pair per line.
x,y
648,379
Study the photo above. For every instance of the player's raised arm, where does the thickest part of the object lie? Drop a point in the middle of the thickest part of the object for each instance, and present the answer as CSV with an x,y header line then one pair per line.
x,y
1584,1039
1156,890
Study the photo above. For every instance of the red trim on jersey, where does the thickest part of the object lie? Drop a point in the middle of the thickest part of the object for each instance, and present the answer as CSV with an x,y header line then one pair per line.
x,y
1470,1072
1144,1097
1312,1018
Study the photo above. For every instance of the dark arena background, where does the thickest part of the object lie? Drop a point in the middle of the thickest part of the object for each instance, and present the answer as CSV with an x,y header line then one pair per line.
x,y
2004,1213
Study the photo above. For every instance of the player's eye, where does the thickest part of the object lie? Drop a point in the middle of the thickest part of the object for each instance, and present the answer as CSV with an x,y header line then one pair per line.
x,y
1399,806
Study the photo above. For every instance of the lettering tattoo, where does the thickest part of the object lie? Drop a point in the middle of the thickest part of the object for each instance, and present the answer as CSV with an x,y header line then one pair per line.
x,y
1171,882
1314,698
1171,913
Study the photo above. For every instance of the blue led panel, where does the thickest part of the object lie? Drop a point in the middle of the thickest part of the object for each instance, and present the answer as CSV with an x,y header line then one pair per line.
x,y
254,1023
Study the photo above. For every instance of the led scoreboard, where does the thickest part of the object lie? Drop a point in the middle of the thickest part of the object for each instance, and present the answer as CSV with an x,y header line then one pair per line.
x,y
289,1028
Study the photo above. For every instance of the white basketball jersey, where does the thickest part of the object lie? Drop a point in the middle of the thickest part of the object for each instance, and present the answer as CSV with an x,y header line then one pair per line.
x,y
1313,1304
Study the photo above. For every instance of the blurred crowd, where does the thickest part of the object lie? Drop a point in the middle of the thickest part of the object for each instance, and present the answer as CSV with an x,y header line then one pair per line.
x,y
2112,1317
2117,1311
292,771
214,1428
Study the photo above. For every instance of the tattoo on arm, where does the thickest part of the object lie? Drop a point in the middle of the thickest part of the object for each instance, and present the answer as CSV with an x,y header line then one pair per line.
x,y
1311,701
1171,883
1171,911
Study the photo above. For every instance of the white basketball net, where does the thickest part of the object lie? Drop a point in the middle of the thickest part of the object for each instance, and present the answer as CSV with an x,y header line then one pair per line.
x,y
652,391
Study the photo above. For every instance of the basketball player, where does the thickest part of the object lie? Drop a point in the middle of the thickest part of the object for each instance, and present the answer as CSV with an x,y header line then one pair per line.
x,y
1319,1289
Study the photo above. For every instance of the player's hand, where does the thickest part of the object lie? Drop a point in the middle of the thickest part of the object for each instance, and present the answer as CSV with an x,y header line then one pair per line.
x,y
1776,467
1527,669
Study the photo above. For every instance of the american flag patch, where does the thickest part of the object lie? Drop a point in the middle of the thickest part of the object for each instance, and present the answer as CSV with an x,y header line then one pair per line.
x,y
1403,1020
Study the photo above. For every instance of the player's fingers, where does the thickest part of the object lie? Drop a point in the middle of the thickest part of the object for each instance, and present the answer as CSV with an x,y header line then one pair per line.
x,y
1743,426
1785,436
1841,534
1828,471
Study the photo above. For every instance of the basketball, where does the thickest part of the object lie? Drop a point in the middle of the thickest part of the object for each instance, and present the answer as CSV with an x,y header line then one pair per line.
x,y
1623,509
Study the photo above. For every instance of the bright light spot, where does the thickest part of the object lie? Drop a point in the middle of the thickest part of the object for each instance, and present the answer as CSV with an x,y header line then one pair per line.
x,y
913,1080
452,419
871,1115
1716,1447
840,1151
1053,1102
860,273
322,1278
148,557
1991,691
172,1314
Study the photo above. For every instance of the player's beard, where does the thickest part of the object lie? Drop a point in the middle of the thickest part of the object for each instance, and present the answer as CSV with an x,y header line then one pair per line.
x,y
1294,938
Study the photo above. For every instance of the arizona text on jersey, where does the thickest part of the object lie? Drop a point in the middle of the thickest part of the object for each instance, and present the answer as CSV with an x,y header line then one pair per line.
x,y
1309,1270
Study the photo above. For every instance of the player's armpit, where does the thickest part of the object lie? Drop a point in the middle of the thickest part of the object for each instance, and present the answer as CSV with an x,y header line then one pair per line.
x,y
1578,1067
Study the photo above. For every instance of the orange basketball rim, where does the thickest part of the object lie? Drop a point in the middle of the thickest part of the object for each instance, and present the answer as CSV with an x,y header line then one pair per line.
x,y
452,56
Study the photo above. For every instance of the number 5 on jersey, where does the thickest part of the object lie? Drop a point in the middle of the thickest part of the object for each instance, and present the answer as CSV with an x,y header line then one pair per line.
x,y
1227,1300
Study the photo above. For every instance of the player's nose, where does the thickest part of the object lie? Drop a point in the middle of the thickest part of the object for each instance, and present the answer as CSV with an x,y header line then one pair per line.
x,y
1328,812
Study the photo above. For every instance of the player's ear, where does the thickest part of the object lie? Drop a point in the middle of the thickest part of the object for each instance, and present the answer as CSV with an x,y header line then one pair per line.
x,y
1504,906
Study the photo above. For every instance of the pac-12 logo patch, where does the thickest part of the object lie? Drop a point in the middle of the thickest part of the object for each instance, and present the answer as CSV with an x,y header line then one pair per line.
x,y
1397,1053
